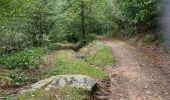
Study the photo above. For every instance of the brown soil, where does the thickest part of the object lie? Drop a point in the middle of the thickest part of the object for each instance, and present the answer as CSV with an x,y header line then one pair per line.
x,y
136,76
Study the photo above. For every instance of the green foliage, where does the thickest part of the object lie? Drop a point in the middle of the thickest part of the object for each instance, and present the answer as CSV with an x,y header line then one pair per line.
x,y
75,19
24,59
18,78
90,38
53,46
37,22
100,56
138,11
65,93
68,63
24,24
8,96
68,93
37,95
13,24
149,38
13,78
136,14
160,38
152,38
5,79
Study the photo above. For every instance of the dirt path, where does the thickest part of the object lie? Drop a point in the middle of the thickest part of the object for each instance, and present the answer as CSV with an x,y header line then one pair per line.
x,y
135,76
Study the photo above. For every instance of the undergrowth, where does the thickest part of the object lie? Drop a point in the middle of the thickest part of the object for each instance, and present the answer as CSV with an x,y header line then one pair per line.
x,y
98,54
66,93
68,63
24,59
90,61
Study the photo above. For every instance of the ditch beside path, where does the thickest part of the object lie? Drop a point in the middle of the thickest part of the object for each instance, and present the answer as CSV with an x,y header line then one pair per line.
x,y
135,76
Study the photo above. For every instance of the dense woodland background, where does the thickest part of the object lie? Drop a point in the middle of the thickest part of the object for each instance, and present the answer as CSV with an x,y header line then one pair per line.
x,y
38,23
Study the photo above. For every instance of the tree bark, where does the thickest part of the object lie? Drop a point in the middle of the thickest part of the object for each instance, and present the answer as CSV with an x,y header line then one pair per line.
x,y
83,21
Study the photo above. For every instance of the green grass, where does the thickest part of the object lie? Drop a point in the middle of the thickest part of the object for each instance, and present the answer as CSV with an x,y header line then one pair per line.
x,y
98,54
66,93
67,63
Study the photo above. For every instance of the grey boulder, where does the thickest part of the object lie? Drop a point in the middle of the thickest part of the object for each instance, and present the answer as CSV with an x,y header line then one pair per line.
x,y
75,81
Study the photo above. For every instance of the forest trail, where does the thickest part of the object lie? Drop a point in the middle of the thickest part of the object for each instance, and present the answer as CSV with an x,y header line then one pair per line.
x,y
135,76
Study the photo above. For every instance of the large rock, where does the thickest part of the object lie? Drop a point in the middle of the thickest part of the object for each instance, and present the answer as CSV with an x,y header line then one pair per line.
x,y
76,81
39,85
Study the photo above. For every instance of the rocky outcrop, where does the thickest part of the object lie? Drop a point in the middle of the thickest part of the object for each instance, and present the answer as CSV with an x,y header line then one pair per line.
x,y
76,81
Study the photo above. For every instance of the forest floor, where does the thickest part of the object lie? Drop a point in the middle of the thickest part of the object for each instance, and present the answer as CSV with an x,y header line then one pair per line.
x,y
135,76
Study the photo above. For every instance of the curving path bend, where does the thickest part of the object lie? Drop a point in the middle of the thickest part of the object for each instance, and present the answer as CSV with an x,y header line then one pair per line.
x,y
135,76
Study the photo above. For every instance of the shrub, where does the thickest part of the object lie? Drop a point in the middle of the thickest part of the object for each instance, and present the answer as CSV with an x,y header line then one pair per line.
x,y
53,46
18,78
7,95
91,37
160,38
24,59
149,38
153,38
13,78
83,42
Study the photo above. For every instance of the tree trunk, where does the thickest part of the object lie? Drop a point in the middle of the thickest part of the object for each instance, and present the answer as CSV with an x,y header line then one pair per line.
x,y
83,21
